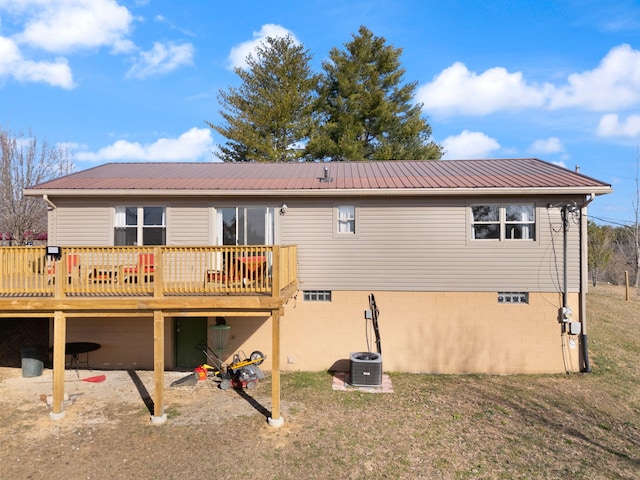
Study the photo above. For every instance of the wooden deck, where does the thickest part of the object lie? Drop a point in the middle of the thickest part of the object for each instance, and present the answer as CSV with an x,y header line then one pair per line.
x,y
157,282
33,279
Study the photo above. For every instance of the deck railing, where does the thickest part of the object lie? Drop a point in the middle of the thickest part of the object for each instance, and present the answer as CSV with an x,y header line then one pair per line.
x,y
147,271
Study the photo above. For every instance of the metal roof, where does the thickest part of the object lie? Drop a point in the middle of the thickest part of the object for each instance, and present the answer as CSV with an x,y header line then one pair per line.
x,y
426,177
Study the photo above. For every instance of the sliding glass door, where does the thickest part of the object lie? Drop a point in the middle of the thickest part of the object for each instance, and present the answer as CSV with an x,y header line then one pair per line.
x,y
246,225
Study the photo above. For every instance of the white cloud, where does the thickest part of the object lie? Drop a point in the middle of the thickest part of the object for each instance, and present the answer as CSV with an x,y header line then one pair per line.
x,y
239,53
469,145
456,90
611,126
547,145
195,144
162,59
62,26
560,163
67,26
615,83
12,64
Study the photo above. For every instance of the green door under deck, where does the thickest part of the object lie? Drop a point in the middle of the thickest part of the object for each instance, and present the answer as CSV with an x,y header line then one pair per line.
x,y
189,332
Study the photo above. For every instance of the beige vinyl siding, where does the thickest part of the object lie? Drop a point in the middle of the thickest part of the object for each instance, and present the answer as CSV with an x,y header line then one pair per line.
x,y
83,226
188,225
402,243
92,225
424,245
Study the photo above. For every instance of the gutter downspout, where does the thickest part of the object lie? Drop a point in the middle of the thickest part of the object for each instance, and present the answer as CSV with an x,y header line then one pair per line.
x,y
584,274
52,220
45,197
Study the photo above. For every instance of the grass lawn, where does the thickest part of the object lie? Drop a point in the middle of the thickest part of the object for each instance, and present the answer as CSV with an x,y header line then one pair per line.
x,y
476,426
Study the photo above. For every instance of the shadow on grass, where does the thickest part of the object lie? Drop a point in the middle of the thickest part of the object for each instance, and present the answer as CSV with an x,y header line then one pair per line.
x,y
542,411
253,402
142,390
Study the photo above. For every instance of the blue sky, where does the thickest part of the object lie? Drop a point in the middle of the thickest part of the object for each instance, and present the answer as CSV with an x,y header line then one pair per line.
x,y
137,80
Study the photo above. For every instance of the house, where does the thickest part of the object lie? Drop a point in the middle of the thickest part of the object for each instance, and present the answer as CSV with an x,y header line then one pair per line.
x,y
477,266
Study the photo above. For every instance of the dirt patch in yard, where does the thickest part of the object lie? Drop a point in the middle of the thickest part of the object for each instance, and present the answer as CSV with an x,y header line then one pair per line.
x,y
89,400
106,431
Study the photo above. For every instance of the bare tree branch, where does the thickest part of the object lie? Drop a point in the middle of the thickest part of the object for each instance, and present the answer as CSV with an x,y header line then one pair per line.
x,y
25,162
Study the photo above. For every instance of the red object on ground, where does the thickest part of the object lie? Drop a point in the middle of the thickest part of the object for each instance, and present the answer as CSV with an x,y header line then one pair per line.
x,y
201,373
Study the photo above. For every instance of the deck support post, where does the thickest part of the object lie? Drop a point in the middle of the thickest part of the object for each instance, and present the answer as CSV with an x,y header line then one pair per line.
x,y
275,420
59,341
158,416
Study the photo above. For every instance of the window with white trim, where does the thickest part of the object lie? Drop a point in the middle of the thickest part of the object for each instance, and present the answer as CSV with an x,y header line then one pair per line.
x,y
503,222
520,222
140,226
346,215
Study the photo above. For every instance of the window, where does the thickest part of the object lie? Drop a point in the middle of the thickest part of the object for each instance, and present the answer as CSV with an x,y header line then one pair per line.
x,y
503,222
520,222
486,221
346,219
513,297
140,226
246,225
317,295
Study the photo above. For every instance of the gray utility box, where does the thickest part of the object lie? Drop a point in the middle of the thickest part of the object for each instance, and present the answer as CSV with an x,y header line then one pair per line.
x,y
365,369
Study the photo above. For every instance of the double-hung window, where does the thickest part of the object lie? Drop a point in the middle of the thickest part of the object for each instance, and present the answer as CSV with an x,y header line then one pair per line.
x,y
346,219
140,226
520,222
486,222
503,222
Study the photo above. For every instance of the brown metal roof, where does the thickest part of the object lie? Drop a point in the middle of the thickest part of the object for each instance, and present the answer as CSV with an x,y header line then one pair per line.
x,y
515,173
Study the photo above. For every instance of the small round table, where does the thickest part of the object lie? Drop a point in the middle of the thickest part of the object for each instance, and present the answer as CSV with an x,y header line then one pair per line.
x,y
75,349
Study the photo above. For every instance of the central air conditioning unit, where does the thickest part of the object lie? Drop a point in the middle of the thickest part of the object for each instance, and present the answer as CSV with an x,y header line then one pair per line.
x,y
366,369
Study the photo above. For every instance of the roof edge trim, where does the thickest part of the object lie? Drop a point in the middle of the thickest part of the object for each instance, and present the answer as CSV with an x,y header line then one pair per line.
x,y
322,192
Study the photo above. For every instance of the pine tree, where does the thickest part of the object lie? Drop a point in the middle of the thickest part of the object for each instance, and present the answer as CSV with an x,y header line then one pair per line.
x,y
269,116
366,112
